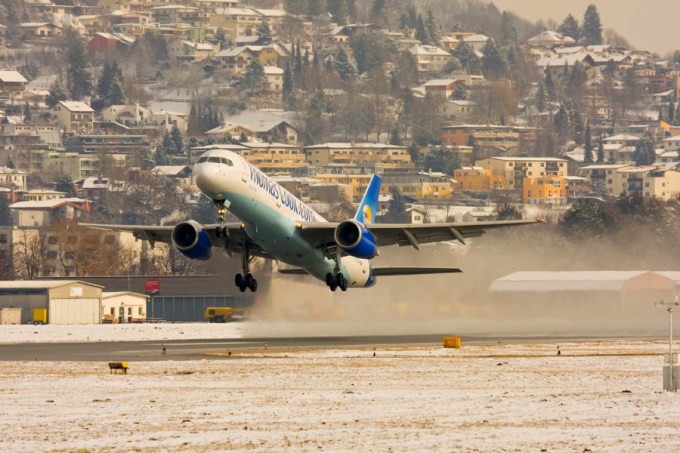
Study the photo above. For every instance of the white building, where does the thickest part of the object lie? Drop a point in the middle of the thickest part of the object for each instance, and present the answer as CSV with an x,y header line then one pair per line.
x,y
123,307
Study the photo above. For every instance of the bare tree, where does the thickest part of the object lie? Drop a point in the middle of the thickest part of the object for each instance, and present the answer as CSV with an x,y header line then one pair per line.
x,y
29,254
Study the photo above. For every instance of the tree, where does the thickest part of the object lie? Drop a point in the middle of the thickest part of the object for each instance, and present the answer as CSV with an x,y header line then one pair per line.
x,y
468,58
78,79
441,160
29,251
586,219
177,141
644,151
421,31
540,98
64,183
460,93
57,94
432,27
253,78
264,34
592,27
600,150
343,66
109,86
507,211
221,38
394,138
588,156
570,27
5,212
493,62
508,30
287,88
396,210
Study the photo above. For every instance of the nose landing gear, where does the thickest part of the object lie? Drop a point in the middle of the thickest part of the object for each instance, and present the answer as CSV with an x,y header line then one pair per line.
x,y
336,281
221,230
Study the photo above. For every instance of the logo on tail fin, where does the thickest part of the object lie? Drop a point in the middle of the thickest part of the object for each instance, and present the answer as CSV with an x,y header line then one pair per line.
x,y
369,204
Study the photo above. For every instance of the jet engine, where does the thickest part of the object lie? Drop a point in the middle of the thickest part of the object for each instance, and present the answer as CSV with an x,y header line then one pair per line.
x,y
355,239
192,240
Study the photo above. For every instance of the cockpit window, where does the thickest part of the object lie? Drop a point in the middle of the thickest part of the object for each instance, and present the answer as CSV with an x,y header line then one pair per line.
x,y
217,160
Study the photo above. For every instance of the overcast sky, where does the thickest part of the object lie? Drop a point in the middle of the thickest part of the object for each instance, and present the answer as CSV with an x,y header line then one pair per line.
x,y
647,24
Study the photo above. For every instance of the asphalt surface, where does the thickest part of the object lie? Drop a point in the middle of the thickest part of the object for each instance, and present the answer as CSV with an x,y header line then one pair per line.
x,y
191,349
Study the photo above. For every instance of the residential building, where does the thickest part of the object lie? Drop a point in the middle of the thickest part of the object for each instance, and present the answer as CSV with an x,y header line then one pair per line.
x,y
476,179
272,158
356,153
12,85
488,137
430,58
274,76
509,173
13,179
550,39
260,125
550,190
75,116
38,214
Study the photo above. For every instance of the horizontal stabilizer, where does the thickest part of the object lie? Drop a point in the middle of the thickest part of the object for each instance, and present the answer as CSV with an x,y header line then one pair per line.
x,y
388,271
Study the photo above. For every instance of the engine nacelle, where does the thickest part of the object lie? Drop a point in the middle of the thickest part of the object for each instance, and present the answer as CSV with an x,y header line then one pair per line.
x,y
191,239
355,239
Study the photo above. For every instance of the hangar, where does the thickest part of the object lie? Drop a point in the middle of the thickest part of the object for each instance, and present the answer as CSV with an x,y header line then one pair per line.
x,y
66,301
588,302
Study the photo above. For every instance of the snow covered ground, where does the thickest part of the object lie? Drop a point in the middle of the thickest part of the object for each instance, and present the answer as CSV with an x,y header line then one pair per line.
x,y
596,395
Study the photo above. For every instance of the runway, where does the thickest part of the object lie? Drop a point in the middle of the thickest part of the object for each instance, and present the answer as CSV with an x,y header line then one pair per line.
x,y
191,349
218,348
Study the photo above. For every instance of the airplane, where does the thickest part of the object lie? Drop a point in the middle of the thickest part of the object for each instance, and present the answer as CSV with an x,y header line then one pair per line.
x,y
274,224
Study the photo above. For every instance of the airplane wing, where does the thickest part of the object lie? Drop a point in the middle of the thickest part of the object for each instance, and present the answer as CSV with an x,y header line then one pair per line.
x,y
237,236
321,234
389,271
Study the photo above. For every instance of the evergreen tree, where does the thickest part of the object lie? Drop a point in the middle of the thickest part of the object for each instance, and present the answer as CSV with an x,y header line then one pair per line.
x,y
432,28
339,10
549,85
671,112
343,66
264,34
161,156
105,80
644,151
592,27
460,93
5,212
253,78
421,31
193,127
394,137
493,62
508,30
570,27
396,210
221,38
287,88
57,93
377,11
28,113
177,141
78,79
64,183
468,58
314,8
297,57
600,150
540,98
588,156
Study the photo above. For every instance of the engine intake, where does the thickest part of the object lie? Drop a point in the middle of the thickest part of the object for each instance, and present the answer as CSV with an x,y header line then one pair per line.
x,y
355,239
191,240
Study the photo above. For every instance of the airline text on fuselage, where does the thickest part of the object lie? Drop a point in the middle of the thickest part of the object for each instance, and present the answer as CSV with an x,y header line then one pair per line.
x,y
280,194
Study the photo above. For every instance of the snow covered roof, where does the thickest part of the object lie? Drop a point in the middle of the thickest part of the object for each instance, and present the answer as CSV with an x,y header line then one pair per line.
x,y
12,77
475,38
622,137
551,37
76,106
272,70
439,82
39,284
573,280
48,204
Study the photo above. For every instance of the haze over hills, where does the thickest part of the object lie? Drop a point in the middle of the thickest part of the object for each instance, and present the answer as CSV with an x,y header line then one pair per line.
x,y
647,26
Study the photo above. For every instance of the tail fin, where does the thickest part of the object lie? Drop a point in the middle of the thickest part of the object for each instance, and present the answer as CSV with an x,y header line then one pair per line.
x,y
369,204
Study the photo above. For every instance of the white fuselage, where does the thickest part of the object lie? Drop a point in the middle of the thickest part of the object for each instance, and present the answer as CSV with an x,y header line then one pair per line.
x,y
271,215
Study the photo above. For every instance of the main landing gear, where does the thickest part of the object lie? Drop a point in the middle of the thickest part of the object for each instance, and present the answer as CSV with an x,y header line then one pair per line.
x,y
336,281
245,279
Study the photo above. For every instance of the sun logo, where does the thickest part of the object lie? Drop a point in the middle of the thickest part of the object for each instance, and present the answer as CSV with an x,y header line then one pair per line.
x,y
368,214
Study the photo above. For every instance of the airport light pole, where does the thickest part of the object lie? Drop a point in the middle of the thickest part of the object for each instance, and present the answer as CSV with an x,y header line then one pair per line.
x,y
669,306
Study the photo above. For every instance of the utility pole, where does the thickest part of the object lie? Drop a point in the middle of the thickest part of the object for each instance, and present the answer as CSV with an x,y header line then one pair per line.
x,y
669,306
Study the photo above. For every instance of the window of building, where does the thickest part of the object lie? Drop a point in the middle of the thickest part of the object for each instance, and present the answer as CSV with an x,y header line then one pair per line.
x,y
3,239
113,311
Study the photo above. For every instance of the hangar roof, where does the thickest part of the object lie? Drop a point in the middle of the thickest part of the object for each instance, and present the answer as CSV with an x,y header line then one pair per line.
x,y
574,280
40,284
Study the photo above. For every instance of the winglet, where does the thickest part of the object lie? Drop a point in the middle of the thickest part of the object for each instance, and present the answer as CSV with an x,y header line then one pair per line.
x,y
369,204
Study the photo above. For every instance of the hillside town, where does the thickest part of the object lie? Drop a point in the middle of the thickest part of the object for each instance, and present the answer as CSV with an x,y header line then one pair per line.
x,y
105,105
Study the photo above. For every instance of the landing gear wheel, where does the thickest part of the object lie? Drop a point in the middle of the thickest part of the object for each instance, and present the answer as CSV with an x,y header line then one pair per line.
x,y
341,282
250,282
241,282
329,279
333,286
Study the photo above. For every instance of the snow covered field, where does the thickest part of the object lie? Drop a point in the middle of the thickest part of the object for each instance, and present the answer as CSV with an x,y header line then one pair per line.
x,y
597,395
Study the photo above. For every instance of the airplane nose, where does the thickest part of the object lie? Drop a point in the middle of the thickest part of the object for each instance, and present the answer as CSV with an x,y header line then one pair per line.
x,y
207,178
